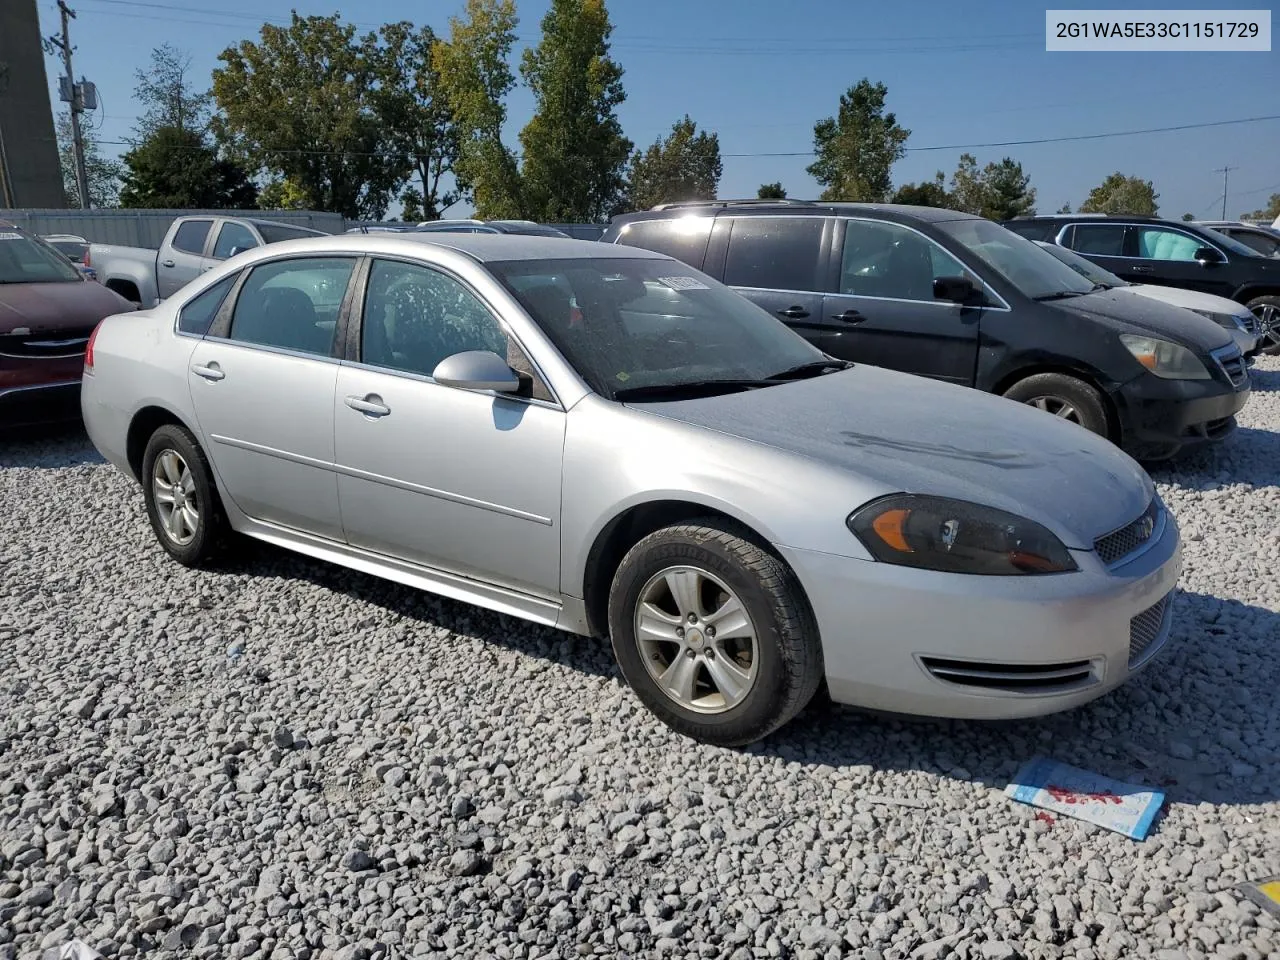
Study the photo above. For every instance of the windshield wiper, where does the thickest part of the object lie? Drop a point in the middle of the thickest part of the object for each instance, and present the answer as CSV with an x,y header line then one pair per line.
x,y
662,391
811,369
1060,295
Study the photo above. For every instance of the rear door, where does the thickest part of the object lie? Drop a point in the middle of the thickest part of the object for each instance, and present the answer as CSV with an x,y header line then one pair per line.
x,y
778,264
1109,245
181,260
883,311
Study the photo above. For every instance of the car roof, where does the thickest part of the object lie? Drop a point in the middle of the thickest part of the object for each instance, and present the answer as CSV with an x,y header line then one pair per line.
x,y
1100,217
796,208
482,247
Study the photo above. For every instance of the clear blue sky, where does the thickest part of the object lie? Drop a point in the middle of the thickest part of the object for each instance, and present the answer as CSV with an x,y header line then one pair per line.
x,y
760,74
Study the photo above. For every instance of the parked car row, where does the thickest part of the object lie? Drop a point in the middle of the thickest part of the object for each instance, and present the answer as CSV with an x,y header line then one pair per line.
x,y
606,440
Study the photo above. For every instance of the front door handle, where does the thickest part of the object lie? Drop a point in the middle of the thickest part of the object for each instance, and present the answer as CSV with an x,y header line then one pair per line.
x,y
370,405
849,316
794,313
166,263
210,371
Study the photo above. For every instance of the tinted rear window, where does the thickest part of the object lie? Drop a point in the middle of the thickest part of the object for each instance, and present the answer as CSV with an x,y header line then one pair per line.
x,y
1099,239
684,238
774,253
190,236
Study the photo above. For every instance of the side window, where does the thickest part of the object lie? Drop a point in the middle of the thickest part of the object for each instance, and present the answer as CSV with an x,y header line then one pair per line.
x,y
1033,229
292,304
197,316
1157,244
774,253
414,317
684,238
1267,246
1099,239
191,236
231,236
889,260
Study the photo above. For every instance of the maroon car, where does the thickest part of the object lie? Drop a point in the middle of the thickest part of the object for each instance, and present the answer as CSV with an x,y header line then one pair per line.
x,y
47,311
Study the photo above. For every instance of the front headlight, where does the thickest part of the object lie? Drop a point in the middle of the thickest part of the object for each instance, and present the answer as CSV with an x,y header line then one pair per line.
x,y
955,536
1229,320
1169,360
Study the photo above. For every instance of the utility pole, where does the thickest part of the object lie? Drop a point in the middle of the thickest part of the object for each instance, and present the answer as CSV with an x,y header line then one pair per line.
x,y
76,100
1224,171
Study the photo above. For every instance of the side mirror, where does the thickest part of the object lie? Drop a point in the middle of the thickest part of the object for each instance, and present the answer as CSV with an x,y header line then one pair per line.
x,y
1208,255
955,289
477,370
235,250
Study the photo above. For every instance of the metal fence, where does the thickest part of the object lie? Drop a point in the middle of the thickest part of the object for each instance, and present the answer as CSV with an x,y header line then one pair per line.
x,y
146,228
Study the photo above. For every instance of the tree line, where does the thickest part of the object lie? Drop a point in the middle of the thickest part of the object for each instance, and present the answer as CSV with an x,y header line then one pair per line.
x,y
313,115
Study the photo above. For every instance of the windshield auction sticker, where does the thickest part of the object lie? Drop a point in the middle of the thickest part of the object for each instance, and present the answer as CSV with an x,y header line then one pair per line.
x,y
1117,31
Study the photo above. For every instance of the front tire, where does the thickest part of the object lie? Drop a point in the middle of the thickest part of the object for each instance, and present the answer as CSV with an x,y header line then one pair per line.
x,y
1065,397
713,633
182,502
1267,310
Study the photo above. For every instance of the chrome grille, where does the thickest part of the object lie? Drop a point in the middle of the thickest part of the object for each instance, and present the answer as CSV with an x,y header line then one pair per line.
x,y
70,343
1118,544
1231,362
1031,678
1148,631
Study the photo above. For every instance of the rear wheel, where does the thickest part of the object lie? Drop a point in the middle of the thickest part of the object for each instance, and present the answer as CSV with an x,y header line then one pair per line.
x,y
713,633
182,502
1267,310
1065,397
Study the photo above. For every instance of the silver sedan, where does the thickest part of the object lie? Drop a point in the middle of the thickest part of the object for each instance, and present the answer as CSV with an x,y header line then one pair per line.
x,y
604,440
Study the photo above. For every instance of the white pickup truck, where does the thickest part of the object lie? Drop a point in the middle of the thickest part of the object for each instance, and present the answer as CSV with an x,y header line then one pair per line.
x,y
192,246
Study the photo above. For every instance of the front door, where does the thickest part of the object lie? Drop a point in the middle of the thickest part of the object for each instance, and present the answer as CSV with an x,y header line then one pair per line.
x,y
465,481
263,393
777,264
885,313
1168,257
183,258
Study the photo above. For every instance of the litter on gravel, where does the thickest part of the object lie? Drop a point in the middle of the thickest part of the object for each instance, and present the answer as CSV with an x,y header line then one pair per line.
x,y
1123,807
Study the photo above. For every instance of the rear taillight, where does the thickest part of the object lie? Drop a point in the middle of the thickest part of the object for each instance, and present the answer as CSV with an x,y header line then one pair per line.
x,y
85,259
88,349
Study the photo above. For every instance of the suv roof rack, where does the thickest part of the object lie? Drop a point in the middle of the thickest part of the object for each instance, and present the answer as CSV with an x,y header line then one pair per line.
x,y
730,203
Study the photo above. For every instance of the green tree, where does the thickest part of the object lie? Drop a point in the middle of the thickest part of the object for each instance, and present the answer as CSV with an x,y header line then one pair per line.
x,y
411,107
998,191
771,191
475,78
282,194
1065,208
682,166
927,193
1188,217
1121,194
1268,213
103,173
174,167
299,104
857,148
168,96
575,154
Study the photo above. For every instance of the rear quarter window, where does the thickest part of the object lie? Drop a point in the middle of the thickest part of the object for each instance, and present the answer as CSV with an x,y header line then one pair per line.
x,y
197,316
684,238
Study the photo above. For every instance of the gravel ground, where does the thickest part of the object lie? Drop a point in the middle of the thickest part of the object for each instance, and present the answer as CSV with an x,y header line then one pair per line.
x,y
286,759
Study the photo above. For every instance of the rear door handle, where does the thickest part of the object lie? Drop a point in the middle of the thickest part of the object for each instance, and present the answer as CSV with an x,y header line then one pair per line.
x,y
1140,269
166,263
210,371
370,405
794,313
849,316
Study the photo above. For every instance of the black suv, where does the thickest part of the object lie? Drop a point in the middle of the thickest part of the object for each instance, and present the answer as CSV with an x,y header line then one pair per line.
x,y
959,298
1172,253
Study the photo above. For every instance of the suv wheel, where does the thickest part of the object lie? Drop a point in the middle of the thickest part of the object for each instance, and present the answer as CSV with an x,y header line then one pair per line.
x,y
1065,397
1267,310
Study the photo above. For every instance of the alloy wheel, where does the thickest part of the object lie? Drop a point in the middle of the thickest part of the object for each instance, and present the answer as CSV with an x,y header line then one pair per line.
x,y
1268,315
697,639
174,488
1056,406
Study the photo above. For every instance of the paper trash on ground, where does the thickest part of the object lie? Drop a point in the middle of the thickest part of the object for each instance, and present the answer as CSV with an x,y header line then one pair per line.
x,y
1265,893
1072,792
72,950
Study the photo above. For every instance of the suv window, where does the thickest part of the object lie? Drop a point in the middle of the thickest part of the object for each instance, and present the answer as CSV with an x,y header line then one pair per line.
x,y
774,253
191,236
197,316
684,238
1155,243
1099,239
415,316
1265,245
889,260
233,235
292,304
1033,229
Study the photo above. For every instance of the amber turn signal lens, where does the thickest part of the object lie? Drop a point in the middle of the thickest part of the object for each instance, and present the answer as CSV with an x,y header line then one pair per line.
x,y
891,527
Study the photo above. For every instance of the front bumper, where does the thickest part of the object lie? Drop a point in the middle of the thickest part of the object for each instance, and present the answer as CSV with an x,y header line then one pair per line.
x,y
1159,417
33,404
948,645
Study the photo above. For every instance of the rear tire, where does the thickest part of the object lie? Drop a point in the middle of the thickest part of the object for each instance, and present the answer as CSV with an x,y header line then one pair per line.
x,y
1267,310
182,502
713,633
1066,397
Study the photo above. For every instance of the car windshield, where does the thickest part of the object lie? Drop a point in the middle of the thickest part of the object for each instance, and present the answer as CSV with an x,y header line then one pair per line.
x,y
24,260
642,325
1035,272
274,233
1086,268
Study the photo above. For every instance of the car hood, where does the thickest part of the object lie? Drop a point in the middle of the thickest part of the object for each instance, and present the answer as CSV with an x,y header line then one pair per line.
x,y
914,435
52,307
1127,313
1191,299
